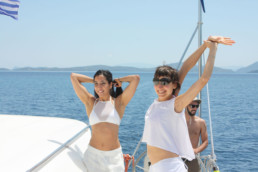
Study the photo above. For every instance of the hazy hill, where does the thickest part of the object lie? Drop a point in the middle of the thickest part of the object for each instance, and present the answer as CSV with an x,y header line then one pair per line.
x,y
253,68
253,71
4,69
84,68
113,68
249,69
195,69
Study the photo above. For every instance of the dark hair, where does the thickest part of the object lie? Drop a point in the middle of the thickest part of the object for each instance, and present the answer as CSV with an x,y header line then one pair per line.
x,y
170,72
108,75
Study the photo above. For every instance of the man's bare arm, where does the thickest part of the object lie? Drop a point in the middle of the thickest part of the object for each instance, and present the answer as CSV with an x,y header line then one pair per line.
x,y
204,138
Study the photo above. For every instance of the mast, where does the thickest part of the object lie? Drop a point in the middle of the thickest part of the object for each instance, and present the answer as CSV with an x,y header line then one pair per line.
x,y
199,26
199,44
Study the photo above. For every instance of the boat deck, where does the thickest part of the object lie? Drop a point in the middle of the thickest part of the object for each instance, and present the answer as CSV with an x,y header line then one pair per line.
x,y
27,140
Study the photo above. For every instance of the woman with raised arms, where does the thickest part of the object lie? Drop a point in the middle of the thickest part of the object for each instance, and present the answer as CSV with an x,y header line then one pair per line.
x,y
105,110
165,130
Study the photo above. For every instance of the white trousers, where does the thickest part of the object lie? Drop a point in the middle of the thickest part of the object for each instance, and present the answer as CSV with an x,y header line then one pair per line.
x,y
104,161
169,165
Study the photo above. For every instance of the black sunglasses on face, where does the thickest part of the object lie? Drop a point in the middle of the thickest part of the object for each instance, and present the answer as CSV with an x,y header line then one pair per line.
x,y
193,106
162,81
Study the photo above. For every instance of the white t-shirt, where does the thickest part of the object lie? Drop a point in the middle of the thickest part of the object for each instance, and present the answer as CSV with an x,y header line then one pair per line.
x,y
166,129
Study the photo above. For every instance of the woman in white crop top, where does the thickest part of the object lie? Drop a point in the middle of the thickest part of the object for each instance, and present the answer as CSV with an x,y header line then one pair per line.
x,y
105,110
165,130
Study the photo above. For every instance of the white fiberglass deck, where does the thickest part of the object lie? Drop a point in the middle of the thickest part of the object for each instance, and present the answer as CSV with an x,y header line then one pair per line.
x,y
26,140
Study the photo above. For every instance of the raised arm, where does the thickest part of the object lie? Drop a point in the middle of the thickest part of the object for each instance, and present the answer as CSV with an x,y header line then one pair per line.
x,y
129,91
188,64
183,100
87,98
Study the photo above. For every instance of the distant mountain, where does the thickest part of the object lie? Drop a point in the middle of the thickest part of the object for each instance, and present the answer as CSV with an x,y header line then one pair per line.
x,y
234,68
196,70
249,69
4,69
253,68
84,68
253,71
138,65
113,68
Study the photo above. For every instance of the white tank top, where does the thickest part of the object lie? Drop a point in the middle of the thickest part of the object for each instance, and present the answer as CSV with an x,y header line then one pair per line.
x,y
166,129
104,111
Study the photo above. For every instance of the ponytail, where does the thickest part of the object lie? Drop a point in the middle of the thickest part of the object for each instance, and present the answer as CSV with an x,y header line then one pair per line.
x,y
119,91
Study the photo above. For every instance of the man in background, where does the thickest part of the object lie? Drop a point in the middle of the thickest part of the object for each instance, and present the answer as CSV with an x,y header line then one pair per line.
x,y
196,128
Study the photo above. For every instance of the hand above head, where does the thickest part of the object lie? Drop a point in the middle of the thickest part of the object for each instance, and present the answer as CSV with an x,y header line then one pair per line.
x,y
221,40
117,82
210,44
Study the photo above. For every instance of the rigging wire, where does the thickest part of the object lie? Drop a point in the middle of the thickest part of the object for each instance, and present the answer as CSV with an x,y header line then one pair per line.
x,y
211,133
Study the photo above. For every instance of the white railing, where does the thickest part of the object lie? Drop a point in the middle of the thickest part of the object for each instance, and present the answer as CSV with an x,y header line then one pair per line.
x,y
51,156
207,163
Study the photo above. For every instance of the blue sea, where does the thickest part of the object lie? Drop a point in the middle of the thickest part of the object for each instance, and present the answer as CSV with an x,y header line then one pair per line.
x,y
233,101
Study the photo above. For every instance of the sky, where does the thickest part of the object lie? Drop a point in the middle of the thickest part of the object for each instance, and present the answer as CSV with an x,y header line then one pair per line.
x,y
140,33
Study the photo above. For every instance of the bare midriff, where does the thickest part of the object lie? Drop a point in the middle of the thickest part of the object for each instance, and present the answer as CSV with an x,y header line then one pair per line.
x,y
105,136
156,154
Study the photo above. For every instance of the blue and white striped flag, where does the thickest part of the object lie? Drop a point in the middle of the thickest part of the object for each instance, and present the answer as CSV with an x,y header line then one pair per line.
x,y
9,8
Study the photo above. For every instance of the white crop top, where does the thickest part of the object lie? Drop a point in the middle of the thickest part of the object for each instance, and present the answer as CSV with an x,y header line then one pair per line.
x,y
104,111
166,129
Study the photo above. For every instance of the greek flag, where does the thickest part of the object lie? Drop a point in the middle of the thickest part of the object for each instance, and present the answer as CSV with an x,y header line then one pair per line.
x,y
9,8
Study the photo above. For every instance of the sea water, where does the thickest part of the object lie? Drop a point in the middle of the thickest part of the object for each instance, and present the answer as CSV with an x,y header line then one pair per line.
x,y
233,106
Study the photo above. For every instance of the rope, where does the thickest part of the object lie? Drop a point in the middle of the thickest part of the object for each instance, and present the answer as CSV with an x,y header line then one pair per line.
x,y
208,164
136,149
212,143
127,158
182,57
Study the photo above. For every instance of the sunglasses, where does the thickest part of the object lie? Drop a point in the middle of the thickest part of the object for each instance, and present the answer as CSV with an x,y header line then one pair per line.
x,y
162,81
194,106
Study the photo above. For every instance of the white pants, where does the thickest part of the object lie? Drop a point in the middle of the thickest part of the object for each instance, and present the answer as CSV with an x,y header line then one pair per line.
x,y
169,165
104,161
